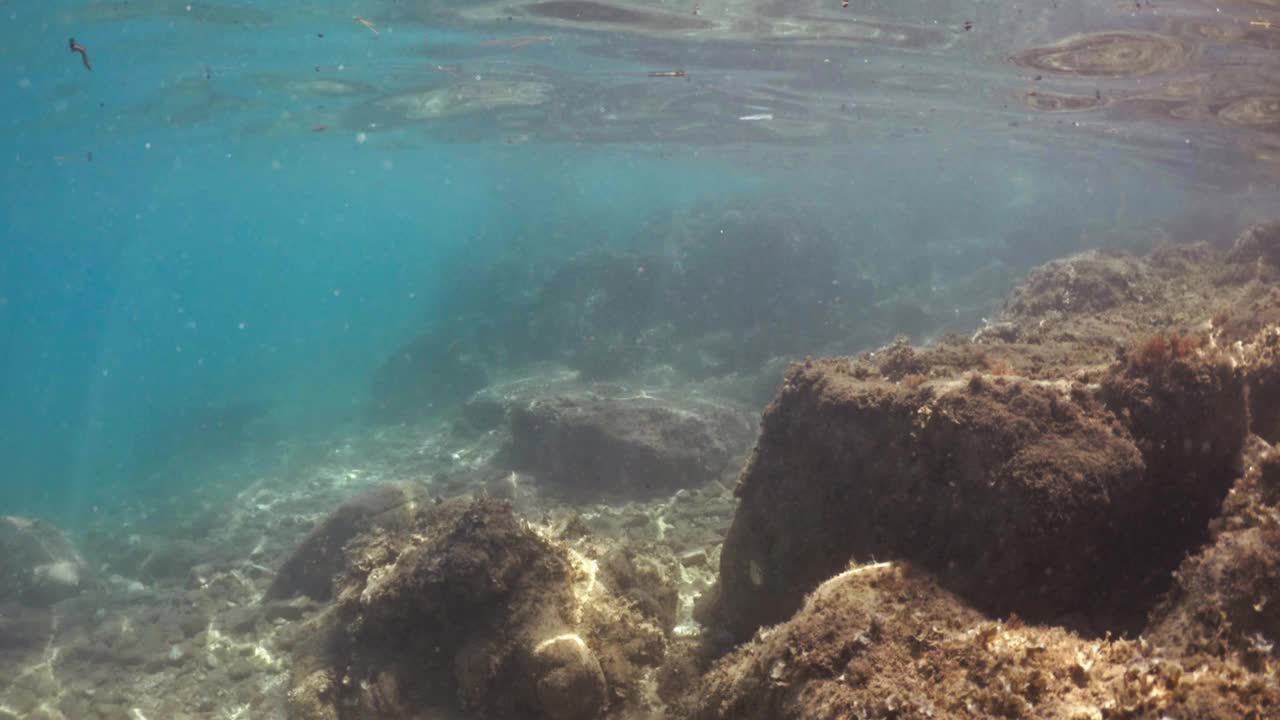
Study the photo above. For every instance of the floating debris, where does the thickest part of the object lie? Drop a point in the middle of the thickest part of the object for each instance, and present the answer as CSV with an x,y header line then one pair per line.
x,y
84,54
367,23
668,74
758,116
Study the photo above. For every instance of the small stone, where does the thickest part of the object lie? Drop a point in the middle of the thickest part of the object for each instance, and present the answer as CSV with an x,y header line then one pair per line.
x,y
569,680
694,559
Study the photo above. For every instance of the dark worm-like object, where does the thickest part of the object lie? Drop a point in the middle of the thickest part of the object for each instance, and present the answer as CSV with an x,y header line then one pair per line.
x,y
84,54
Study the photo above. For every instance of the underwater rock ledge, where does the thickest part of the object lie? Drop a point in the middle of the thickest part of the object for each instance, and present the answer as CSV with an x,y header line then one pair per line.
x,y
1023,496
1097,461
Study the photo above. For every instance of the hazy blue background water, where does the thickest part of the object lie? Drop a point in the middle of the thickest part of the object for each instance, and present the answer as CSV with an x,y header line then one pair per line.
x,y
216,248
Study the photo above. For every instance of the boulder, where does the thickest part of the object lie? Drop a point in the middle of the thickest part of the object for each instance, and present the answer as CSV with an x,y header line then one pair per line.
x,y
1048,500
886,641
467,607
312,567
588,445
38,564
1059,464
1059,501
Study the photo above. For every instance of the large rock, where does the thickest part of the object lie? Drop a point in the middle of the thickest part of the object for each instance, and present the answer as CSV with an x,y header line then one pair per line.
x,y
589,445
1054,500
38,564
885,641
1048,500
468,607
1058,464
313,566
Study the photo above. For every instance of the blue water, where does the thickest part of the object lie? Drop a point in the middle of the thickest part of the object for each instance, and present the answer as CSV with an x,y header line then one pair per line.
x,y
182,226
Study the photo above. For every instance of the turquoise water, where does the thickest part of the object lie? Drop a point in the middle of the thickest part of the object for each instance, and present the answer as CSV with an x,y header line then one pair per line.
x,y
258,203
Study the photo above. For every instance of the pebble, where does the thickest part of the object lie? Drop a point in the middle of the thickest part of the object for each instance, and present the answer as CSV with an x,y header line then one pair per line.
x,y
694,558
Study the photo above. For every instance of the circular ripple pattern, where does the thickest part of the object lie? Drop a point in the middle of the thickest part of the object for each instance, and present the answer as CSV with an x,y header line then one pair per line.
x,y
1053,102
1110,54
1255,111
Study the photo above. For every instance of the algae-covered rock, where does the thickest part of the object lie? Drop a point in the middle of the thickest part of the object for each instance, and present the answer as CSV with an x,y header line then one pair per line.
x,y
38,564
1223,598
1097,462
1259,243
1045,499
312,567
1088,282
570,684
886,641
466,606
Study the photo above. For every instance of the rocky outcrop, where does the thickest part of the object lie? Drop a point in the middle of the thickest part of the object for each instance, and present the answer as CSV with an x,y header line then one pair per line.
x,y
884,640
468,607
589,442
1058,465
38,564
311,568
1096,460
1223,599
1050,500
587,445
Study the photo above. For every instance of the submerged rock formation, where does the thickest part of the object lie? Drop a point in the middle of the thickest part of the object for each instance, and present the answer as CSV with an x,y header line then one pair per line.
x,y
1058,466
1097,461
466,606
1045,499
314,565
588,445
588,442
38,564
885,641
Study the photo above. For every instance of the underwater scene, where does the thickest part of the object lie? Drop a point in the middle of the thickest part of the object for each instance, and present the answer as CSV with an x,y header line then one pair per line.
x,y
639,360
